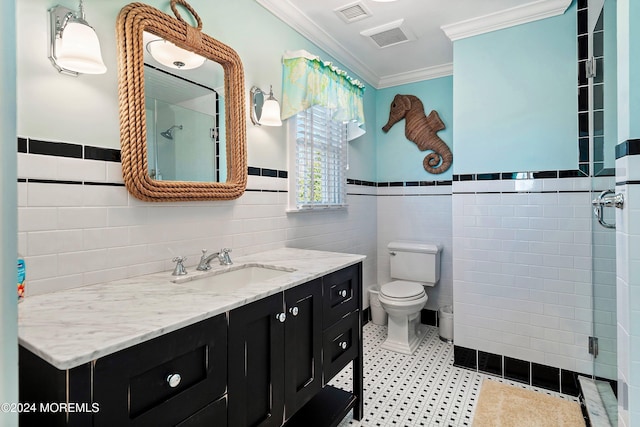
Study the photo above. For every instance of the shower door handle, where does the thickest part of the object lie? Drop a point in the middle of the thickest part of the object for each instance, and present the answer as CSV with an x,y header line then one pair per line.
x,y
607,198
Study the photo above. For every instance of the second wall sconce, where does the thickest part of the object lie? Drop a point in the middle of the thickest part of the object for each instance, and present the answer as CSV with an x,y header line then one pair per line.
x,y
264,112
74,47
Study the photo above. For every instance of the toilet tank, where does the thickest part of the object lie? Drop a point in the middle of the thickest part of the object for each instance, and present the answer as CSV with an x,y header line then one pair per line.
x,y
415,261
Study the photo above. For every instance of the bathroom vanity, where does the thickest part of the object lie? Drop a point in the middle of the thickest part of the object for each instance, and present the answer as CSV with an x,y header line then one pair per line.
x,y
150,352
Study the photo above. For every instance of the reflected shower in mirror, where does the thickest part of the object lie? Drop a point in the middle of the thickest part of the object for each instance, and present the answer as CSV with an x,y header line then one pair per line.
x,y
184,139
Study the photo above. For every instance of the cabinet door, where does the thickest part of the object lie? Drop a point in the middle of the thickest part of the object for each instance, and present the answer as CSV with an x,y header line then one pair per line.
x,y
256,364
303,348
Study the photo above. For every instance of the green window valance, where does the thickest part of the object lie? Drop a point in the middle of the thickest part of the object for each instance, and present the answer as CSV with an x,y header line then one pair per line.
x,y
309,81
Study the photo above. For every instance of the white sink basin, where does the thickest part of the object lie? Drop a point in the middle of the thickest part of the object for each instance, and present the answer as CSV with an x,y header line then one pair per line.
x,y
232,279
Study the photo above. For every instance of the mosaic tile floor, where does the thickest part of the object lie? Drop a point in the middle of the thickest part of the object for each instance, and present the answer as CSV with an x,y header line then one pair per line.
x,y
423,389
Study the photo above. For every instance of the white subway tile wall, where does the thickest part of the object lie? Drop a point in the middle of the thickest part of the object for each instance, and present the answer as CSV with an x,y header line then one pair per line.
x,y
628,283
522,265
417,214
76,235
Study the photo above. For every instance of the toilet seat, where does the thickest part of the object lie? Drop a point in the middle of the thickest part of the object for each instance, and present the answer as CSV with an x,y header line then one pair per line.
x,y
401,290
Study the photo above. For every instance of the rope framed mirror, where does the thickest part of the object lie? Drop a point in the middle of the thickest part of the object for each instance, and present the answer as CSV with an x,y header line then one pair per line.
x,y
134,20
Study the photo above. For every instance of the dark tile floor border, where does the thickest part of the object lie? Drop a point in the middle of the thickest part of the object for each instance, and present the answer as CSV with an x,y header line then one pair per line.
x,y
530,373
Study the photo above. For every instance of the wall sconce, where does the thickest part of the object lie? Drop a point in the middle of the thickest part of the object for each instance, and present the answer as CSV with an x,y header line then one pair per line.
x,y
74,47
173,56
264,111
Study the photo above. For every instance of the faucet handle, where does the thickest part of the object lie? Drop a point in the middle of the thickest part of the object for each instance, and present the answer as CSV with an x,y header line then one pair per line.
x,y
180,270
224,257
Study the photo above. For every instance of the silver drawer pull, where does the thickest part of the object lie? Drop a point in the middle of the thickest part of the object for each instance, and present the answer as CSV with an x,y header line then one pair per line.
x,y
173,380
281,317
342,293
342,345
293,311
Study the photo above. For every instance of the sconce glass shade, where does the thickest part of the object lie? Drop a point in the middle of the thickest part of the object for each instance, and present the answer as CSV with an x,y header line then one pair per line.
x,y
78,49
270,113
173,56
264,111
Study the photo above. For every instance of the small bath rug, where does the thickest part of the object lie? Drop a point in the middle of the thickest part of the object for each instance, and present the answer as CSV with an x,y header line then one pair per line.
x,y
503,405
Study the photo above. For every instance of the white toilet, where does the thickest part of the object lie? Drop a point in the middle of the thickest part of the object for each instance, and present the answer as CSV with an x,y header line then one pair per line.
x,y
416,265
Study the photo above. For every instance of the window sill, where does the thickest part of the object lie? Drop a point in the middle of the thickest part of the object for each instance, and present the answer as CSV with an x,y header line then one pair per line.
x,y
316,209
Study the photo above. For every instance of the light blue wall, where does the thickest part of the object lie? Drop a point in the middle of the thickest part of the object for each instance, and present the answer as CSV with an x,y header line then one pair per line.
x,y
8,210
515,98
398,158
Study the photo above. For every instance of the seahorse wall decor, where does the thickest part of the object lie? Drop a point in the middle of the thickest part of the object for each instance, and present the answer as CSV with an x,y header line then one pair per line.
x,y
422,130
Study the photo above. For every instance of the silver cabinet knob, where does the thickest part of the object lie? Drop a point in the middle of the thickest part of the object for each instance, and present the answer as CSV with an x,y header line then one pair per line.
x,y
342,293
173,380
293,311
281,317
342,345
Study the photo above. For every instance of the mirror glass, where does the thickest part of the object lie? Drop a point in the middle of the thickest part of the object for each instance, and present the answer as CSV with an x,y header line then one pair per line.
x,y
185,120
182,125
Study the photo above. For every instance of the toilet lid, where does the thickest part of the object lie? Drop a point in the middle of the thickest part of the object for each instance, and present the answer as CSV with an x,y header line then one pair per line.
x,y
402,290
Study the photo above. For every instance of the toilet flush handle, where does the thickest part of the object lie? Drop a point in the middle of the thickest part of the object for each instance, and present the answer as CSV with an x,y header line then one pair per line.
x,y
392,253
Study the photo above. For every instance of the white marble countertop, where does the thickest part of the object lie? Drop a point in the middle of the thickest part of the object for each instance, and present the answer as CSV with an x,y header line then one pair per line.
x,y
75,326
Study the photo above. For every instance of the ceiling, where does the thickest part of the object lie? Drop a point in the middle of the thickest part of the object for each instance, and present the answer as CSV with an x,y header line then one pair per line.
x,y
418,34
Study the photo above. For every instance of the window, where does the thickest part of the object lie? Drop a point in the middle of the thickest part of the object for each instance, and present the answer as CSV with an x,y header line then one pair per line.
x,y
318,156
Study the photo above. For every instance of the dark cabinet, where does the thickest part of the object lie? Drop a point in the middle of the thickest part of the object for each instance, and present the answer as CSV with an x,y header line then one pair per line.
x,y
267,363
166,381
256,363
289,346
275,356
303,345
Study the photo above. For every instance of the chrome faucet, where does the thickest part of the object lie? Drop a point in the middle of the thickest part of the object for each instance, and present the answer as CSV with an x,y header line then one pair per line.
x,y
205,260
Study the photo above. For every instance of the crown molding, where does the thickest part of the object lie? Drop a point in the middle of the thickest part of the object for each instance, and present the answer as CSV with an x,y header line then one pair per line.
x,y
292,16
416,76
529,12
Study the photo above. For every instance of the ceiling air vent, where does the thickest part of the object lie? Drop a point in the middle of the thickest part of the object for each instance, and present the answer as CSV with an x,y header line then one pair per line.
x,y
389,34
353,12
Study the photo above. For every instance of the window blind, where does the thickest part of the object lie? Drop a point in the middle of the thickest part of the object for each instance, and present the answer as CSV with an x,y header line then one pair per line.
x,y
321,151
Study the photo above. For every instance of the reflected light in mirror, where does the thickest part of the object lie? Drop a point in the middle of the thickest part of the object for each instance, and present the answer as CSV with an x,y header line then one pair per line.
x,y
173,56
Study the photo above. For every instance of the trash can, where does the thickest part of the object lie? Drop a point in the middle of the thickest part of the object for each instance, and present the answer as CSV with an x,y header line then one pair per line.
x,y
378,315
445,323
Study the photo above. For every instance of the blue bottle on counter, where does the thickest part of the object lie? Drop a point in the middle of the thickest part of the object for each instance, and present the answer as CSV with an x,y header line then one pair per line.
x,y
22,275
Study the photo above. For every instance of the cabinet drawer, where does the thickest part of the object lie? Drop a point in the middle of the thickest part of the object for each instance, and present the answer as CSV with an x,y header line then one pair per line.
x,y
140,385
340,344
340,293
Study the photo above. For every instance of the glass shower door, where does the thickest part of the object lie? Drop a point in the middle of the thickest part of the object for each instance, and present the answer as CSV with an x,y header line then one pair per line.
x,y
600,73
